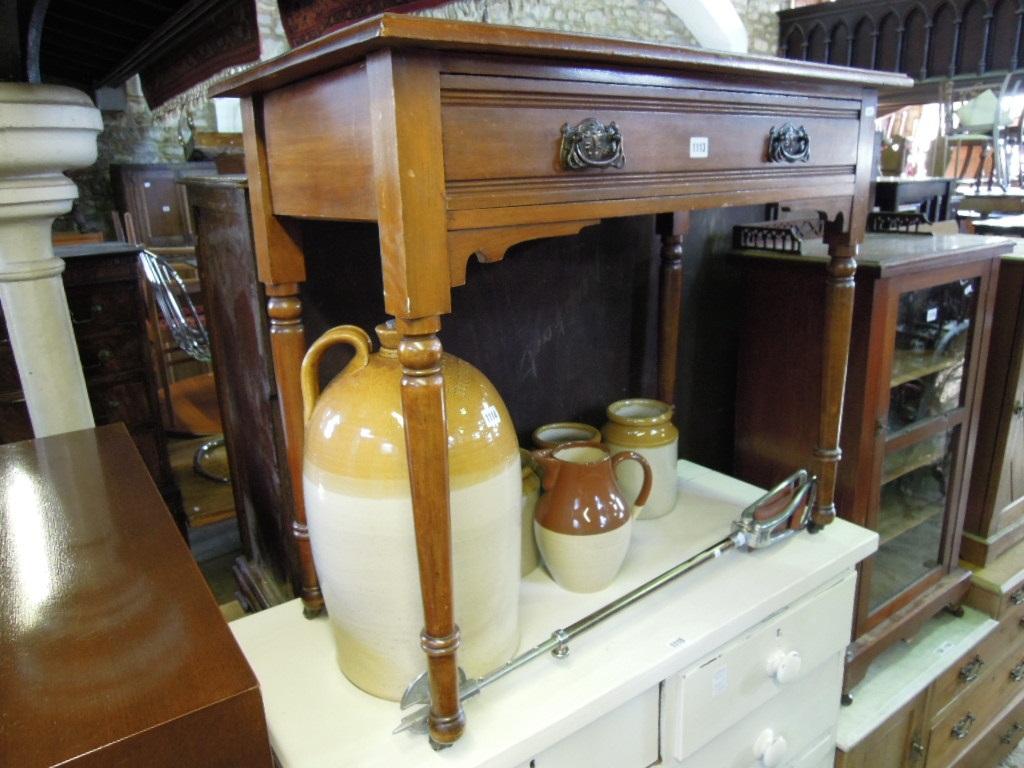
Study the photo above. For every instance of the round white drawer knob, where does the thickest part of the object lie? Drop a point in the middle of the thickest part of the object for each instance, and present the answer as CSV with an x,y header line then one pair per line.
x,y
784,667
769,748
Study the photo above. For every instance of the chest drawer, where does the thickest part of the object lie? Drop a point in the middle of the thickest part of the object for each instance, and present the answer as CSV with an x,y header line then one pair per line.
x,y
782,730
624,738
100,307
997,742
968,672
503,138
775,656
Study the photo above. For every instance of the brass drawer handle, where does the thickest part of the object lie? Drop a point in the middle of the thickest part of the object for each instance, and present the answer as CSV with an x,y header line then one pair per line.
x,y
591,144
1017,597
1017,673
916,749
1007,737
1018,407
95,310
963,727
969,672
788,144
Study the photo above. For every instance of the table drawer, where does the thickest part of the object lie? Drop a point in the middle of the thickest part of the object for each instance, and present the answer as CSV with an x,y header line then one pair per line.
x,y
788,725
624,738
723,689
508,131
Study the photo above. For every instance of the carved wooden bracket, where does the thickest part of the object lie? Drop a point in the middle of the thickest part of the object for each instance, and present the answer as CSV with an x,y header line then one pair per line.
x,y
490,244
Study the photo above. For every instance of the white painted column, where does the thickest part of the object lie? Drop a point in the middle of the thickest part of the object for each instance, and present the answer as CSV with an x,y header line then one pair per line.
x,y
44,130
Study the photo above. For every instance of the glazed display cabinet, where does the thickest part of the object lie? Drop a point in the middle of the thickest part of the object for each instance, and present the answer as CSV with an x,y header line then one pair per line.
x,y
920,335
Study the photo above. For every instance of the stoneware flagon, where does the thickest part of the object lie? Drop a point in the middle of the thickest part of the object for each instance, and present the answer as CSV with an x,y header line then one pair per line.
x,y
583,523
359,511
645,426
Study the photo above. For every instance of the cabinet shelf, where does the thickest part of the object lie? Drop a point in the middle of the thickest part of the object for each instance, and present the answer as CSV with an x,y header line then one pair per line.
x,y
908,364
902,520
920,456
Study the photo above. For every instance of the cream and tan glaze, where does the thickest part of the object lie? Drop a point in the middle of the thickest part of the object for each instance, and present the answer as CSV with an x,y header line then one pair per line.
x,y
562,432
359,508
645,426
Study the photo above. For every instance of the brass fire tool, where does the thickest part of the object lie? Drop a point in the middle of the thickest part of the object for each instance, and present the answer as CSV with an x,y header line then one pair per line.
x,y
780,513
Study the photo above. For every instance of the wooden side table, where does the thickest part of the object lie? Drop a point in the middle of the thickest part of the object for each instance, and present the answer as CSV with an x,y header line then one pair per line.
x,y
112,650
463,139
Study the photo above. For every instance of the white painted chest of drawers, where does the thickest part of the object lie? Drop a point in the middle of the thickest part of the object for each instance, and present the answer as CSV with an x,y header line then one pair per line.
x,y
738,663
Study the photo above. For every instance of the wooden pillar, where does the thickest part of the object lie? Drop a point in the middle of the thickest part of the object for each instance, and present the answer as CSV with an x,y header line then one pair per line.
x,y
672,228
426,439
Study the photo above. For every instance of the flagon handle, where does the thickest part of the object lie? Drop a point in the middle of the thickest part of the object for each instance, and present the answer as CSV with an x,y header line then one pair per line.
x,y
645,489
352,335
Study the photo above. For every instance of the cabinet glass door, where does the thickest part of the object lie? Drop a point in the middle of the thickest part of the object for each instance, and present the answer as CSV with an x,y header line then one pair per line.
x,y
911,513
930,358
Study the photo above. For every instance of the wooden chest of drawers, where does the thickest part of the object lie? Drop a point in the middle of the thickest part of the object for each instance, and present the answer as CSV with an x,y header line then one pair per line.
x,y
108,317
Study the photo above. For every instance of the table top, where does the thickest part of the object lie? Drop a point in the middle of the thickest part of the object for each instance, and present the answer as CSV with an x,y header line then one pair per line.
x,y
1010,225
304,692
107,629
387,30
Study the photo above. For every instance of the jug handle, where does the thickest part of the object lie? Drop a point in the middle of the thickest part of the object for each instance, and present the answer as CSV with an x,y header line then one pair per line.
x,y
548,466
352,335
645,489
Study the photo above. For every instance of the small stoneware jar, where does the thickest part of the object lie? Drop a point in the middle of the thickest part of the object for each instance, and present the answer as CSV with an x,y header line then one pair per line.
x,y
531,494
645,426
560,432
583,524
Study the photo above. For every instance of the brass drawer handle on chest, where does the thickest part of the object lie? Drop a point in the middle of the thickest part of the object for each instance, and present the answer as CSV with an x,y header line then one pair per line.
x,y
1017,673
969,671
591,144
789,144
962,727
1017,597
1007,737
1018,407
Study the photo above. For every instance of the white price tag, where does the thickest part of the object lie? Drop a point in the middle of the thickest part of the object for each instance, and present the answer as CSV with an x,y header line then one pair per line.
x,y
931,315
720,682
699,146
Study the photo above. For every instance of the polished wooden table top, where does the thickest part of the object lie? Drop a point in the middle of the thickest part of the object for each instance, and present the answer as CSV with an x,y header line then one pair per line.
x,y
112,649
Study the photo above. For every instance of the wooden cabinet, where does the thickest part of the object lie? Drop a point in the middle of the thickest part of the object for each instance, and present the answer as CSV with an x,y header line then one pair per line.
x,y
108,317
153,195
995,501
919,335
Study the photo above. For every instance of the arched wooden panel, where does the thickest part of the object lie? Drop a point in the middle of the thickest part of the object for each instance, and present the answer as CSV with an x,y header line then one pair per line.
x,y
817,44
863,44
972,38
915,43
941,51
888,43
839,48
1003,35
794,48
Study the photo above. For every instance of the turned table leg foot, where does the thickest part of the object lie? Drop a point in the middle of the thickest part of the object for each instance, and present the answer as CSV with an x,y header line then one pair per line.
x,y
426,439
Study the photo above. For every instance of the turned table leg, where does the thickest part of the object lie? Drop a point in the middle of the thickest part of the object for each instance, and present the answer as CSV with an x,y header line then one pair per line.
x,y
288,344
835,353
672,228
426,439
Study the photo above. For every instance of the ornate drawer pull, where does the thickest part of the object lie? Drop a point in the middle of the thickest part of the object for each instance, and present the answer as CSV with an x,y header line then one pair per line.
x,y
591,144
916,749
1017,673
788,144
969,672
963,727
1007,737
1017,597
